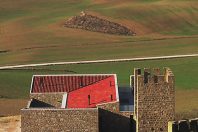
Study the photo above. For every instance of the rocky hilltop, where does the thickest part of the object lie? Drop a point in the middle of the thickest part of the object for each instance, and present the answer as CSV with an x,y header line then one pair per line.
x,y
96,24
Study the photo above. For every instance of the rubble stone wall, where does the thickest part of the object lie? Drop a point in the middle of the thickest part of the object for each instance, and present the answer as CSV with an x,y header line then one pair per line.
x,y
57,120
96,24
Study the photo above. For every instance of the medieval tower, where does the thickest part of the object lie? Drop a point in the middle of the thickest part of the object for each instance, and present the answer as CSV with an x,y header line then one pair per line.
x,y
154,99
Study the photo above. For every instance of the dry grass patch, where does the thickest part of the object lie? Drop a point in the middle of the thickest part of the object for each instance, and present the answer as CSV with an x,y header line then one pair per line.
x,y
10,124
186,104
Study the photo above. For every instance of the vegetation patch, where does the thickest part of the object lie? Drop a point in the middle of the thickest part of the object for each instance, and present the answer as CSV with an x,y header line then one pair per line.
x,y
4,51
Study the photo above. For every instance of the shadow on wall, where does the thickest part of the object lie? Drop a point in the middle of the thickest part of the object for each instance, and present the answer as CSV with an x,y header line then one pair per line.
x,y
34,103
112,122
183,126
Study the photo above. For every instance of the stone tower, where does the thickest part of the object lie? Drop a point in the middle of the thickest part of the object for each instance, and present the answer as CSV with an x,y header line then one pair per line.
x,y
154,99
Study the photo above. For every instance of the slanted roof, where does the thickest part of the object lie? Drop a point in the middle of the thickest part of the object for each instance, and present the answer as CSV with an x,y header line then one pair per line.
x,y
63,83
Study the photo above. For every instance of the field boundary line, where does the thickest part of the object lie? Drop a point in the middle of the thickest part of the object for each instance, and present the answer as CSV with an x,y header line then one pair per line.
x,y
100,61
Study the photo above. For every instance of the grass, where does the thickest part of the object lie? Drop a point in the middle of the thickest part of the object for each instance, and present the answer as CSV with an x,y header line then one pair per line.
x,y
32,31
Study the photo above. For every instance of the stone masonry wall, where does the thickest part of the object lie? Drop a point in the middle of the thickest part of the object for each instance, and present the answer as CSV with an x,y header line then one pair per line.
x,y
96,24
112,120
155,101
59,120
54,99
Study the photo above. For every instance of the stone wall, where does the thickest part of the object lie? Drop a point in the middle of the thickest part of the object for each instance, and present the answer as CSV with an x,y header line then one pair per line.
x,y
96,24
112,120
183,126
54,99
56,120
155,101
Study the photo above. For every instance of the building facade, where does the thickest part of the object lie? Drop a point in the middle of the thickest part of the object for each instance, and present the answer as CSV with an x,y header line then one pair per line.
x,y
94,103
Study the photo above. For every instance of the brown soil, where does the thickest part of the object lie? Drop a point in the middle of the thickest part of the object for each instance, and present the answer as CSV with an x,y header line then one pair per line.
x,y
11,107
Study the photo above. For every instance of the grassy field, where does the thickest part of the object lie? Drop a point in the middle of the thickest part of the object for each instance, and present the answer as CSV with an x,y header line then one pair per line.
x,y
32,31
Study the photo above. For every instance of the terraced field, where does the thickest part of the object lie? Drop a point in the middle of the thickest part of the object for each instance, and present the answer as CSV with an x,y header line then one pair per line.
x,y
32,31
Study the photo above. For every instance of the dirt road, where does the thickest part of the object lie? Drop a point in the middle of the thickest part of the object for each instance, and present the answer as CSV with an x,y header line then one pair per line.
x,y
10,124
100,61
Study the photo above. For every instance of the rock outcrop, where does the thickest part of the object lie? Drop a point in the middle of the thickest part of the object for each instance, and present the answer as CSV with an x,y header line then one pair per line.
x,y
96,24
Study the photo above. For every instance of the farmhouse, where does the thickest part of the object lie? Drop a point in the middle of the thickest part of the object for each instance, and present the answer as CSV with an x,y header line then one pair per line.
x,y
95,103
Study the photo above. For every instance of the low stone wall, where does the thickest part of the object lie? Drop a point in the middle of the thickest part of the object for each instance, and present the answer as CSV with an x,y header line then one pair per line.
x,y
54,99
96,24
183,126
56,120
112,120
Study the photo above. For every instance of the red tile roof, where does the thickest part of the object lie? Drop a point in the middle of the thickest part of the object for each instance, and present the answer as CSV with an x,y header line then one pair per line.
x,y
63,83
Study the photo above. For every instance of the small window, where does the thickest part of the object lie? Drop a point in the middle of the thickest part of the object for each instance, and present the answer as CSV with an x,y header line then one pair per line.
x,y
89,99
111,97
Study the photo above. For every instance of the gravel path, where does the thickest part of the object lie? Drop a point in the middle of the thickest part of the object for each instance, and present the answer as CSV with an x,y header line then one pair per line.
x,y
100,61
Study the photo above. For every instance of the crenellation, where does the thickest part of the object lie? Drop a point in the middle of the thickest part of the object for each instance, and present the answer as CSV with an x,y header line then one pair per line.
x,y
154,76
156,71
168,74
147,73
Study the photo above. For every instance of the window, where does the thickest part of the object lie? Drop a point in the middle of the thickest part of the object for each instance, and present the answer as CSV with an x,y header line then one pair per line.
x,y
111,97
89,99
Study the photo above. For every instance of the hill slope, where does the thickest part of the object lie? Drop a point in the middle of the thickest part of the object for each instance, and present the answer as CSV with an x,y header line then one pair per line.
x,y
32,31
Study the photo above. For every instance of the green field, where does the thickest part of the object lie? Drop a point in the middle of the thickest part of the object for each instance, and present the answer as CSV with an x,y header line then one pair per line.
x,y
32,31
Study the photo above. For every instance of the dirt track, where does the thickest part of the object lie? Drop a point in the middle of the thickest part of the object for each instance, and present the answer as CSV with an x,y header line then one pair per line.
x,y
101,61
